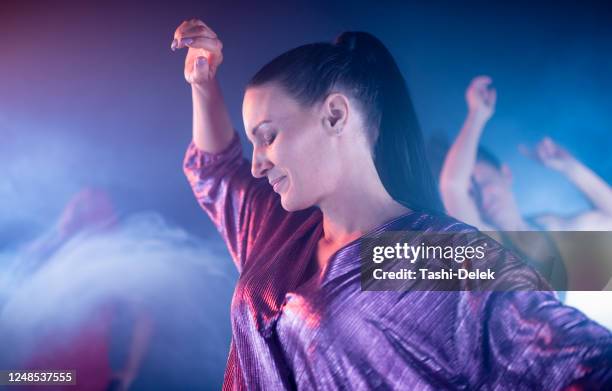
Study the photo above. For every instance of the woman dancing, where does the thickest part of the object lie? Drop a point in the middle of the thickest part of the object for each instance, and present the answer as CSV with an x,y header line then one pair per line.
x,y
337,156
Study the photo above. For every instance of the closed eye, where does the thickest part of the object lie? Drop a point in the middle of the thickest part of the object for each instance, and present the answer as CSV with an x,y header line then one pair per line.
x,y
269,139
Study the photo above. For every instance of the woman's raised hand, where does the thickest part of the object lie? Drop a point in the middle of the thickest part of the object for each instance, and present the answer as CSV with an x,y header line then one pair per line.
x,y
205,50
481,98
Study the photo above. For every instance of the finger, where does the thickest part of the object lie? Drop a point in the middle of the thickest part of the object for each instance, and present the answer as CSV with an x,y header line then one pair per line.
x,y
562,152
209,31
182,41
548,152
182,27
486,97
212,45
178,33
201,65
195,24
549,146
481,81
541,151
492,98
192,27
198,30
201,68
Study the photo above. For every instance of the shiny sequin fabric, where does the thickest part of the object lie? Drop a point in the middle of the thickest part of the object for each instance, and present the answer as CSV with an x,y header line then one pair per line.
x,y
291,331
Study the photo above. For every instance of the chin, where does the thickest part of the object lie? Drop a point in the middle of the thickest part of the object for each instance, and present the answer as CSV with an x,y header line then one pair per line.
x,y
286,205
290,204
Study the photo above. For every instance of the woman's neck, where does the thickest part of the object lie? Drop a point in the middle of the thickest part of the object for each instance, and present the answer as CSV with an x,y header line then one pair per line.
x,y
355,210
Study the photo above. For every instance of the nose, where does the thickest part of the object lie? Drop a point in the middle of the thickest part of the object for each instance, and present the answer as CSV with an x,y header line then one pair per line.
x,y
260,164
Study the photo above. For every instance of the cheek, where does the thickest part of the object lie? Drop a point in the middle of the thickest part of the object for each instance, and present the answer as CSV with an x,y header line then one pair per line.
x,y
309,181
308,177
302,156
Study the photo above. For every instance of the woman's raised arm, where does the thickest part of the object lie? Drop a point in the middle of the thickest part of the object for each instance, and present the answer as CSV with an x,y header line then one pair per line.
x,y
212,128
239,205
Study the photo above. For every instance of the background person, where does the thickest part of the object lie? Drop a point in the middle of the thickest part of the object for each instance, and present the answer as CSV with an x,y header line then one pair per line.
x,y
477,188
86,347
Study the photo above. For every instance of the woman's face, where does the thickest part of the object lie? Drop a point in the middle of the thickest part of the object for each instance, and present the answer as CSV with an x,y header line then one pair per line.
x,y
494,189
290,146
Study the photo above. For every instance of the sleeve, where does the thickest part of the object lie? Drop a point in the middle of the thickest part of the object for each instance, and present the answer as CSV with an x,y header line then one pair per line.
x,y
530,340
235,201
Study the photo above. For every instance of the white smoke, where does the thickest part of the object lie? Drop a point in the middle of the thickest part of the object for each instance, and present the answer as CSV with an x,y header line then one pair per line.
x,y
179,280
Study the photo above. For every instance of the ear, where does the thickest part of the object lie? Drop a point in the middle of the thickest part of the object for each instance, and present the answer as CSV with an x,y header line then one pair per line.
x,y
335,112
506,173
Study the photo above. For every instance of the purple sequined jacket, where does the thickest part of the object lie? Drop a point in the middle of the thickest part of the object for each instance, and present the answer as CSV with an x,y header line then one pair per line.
x,y
289,331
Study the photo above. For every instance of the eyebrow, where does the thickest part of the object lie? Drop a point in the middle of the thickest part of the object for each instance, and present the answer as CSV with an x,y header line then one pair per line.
x,y
254,130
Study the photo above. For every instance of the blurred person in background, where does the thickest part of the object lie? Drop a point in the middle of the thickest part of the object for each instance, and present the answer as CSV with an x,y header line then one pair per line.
x,y
86,346
477,188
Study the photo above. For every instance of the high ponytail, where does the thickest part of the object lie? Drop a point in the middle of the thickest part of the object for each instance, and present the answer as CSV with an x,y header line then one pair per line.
x,y
361,65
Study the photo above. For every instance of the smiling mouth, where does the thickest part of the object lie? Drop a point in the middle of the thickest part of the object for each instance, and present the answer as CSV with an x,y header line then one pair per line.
x,y
277,182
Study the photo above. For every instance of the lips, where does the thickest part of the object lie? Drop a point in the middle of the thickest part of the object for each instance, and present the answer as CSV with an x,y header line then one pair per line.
x,y
274,183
